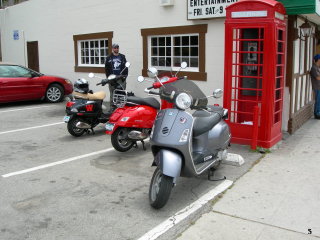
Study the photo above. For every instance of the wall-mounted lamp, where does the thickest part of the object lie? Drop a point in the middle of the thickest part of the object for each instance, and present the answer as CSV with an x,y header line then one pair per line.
x,y
305,31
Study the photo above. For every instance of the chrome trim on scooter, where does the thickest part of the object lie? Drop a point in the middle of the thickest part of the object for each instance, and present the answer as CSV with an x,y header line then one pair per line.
x,y
137,135
83,125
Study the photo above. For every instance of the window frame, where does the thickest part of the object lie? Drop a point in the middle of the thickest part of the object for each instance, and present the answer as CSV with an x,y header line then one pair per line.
x,y
201,30
87,37
89,55
172,50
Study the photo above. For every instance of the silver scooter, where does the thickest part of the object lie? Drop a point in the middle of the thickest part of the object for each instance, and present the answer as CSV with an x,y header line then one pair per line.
x,y
185,143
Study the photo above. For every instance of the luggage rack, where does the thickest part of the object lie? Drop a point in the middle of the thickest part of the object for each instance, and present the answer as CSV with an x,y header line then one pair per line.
x,y
120,98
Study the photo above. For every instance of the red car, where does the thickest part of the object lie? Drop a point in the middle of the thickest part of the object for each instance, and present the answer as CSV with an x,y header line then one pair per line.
x,y
18,83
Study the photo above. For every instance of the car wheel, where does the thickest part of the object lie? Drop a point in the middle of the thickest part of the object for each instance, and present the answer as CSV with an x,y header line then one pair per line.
x,y
54,93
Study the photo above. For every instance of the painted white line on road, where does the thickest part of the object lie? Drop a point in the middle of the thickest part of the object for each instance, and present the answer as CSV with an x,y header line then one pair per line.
x,y
184,213
21,109
24,129
55,163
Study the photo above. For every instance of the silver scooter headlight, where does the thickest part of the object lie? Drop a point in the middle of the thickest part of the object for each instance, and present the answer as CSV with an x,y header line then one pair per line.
x,y
183,101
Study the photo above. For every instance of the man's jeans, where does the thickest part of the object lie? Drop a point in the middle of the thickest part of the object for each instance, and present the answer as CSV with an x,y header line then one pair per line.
x,y
317,103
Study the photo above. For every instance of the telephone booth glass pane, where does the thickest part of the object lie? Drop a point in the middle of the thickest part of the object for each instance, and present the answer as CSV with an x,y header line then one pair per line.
x,y
247,73
279,77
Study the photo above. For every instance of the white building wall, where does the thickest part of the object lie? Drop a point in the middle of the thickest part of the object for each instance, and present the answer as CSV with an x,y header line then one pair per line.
x,y
53,24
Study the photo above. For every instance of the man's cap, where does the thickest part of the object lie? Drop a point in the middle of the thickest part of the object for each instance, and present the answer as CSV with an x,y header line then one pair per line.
x,y
115,45
316,57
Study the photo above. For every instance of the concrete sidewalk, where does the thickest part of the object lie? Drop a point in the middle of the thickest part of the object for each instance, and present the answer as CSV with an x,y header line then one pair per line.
x,y
279,198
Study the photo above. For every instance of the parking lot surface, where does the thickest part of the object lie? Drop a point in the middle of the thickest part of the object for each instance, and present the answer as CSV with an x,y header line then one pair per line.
x,y
56,186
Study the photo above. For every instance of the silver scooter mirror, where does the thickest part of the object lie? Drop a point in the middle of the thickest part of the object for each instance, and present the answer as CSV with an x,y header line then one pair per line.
x,y
140,79
128,64
152,72
91,75
184,65
217,93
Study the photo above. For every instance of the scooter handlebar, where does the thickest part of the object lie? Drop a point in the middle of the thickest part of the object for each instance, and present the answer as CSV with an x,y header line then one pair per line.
x,y
147,90
103,82
154,93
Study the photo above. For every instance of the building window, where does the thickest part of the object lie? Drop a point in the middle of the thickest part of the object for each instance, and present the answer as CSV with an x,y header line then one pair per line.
x,y
166,48
169,51
91,51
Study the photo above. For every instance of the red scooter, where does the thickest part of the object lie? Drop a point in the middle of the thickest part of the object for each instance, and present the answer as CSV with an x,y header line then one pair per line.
x,y
132,121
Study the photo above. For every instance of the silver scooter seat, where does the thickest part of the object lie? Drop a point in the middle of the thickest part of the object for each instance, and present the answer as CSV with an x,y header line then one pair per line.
x,y
149,101
204,121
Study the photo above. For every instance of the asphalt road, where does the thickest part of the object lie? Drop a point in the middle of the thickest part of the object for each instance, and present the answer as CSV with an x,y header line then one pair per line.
x,y
55,186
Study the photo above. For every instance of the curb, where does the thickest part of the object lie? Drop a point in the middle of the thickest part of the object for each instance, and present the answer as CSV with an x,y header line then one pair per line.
x,y
179,222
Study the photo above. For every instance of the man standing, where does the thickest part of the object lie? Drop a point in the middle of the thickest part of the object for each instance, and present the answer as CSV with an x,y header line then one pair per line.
x,y
315,80
115,63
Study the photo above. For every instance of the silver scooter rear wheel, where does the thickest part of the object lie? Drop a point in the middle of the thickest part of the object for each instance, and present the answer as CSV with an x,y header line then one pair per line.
x,y
160,189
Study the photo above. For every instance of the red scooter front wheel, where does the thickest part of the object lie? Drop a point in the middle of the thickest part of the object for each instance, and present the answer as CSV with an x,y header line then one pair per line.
x,y
120,140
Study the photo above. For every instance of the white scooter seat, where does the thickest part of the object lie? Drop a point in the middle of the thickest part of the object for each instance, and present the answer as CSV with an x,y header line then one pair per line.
x,y
90,96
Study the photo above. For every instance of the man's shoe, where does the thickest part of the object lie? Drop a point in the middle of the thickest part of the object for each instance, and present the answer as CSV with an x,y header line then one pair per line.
x,y
317,117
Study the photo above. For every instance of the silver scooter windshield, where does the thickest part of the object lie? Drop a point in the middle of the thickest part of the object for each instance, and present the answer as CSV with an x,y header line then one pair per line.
x,y
171,90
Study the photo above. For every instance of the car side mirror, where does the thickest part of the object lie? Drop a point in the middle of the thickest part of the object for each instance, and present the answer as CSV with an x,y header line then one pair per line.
x,y
33,74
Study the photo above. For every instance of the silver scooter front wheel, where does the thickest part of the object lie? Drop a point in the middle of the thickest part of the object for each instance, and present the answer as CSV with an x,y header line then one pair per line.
x,y
160,189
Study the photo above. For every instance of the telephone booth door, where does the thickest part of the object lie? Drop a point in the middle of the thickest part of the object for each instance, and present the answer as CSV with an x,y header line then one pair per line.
x,y
248,72
254,70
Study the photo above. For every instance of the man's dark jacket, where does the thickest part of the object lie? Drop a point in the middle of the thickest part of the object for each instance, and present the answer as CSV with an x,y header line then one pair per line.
x,y
108,64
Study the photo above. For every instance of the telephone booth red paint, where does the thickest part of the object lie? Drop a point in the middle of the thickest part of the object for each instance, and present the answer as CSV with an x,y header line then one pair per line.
x,y
255,47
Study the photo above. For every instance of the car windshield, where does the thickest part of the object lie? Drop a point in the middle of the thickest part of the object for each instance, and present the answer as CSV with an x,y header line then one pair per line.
x,y
199,98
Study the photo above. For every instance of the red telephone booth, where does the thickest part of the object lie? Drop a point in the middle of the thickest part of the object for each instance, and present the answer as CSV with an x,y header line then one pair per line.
x,y
255,46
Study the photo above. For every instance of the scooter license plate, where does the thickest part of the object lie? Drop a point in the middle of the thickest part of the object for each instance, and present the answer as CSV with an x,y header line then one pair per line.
x,y
66,119
109,126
